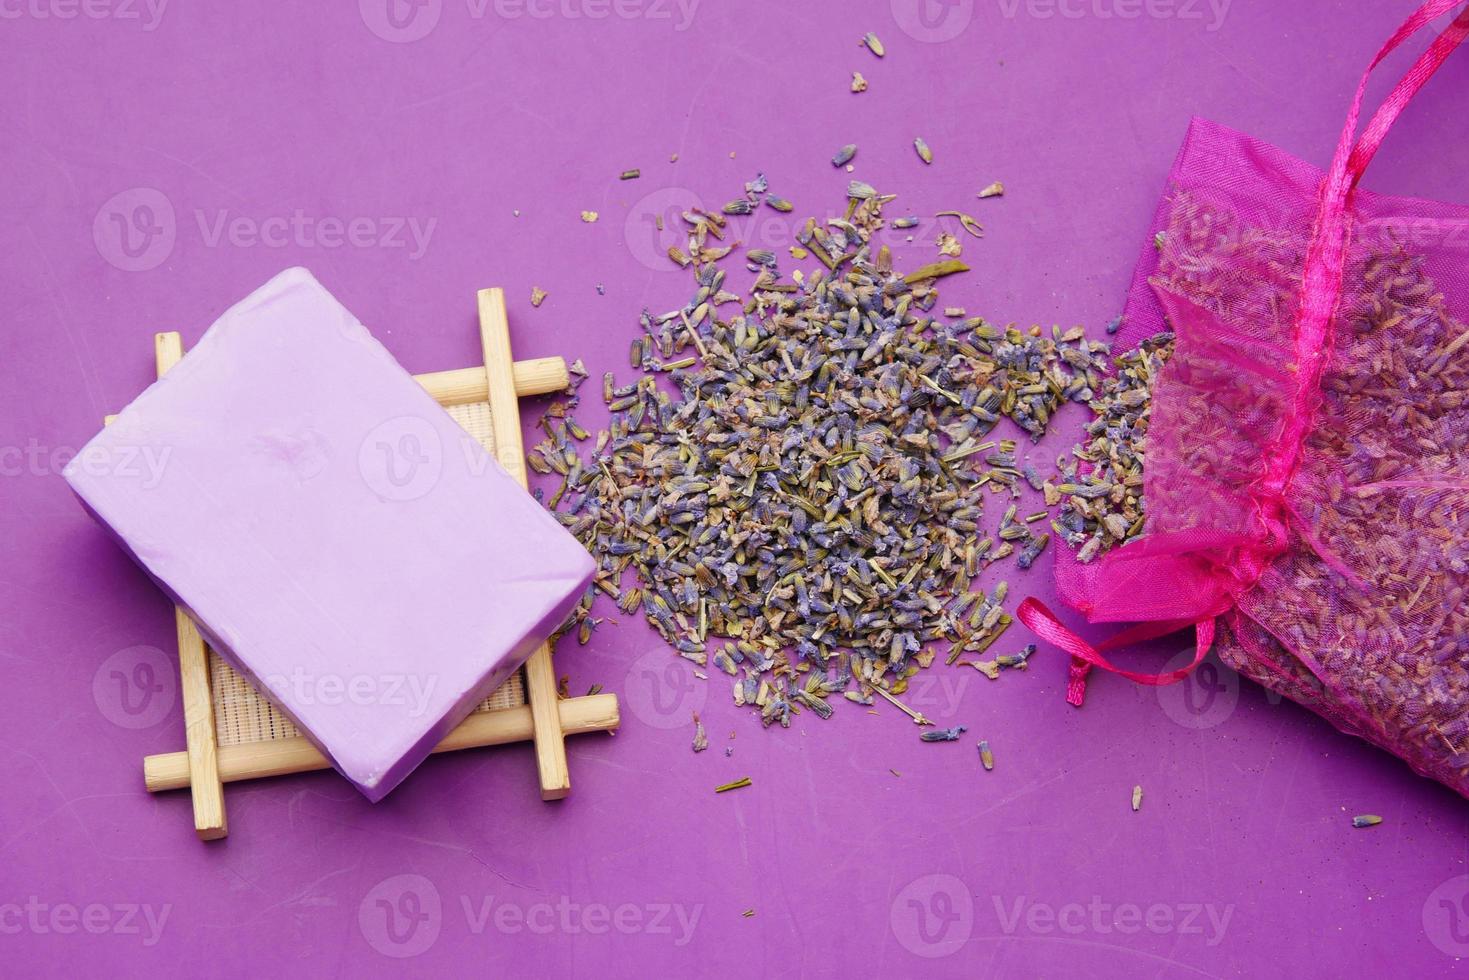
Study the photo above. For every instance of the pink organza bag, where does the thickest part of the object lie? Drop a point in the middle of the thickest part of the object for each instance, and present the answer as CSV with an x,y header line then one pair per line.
x,y
1306,483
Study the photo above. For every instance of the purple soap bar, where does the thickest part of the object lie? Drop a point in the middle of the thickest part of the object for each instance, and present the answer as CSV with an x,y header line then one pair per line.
x,y
338,538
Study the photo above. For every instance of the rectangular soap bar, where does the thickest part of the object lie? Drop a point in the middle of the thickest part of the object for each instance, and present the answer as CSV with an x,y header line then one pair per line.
x,y
338,538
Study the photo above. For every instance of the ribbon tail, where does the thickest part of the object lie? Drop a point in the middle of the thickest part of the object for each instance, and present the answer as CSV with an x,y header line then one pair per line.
x,y
1076,682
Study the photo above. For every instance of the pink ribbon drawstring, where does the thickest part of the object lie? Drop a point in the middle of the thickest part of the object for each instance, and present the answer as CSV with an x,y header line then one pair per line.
x,y
1239,568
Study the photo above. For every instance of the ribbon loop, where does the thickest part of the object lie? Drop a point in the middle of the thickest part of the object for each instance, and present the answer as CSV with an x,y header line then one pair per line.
x,y
1431,60
1039,619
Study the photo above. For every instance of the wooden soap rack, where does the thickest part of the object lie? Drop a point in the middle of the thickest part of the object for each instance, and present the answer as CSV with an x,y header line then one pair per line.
x,y
232,733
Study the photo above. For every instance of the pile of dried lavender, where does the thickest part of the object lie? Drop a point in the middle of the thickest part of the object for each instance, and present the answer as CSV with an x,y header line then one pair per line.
x,y
1102,504
812,493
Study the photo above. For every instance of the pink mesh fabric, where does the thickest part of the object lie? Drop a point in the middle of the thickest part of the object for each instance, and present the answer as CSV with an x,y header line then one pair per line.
x,y
1356,608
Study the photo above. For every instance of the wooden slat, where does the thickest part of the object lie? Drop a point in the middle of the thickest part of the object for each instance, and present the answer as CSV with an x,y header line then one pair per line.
x,y
279,757
537,376
210,822
465,386
540,674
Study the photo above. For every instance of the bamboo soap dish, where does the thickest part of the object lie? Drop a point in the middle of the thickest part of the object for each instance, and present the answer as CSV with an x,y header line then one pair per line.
x,y
232,733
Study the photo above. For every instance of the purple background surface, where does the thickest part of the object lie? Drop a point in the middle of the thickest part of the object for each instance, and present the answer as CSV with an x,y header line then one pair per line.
x,y
151,163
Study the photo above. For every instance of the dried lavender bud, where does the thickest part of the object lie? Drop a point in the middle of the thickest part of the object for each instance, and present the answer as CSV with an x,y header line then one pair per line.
x,y
701,737
1102,504
1015,661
